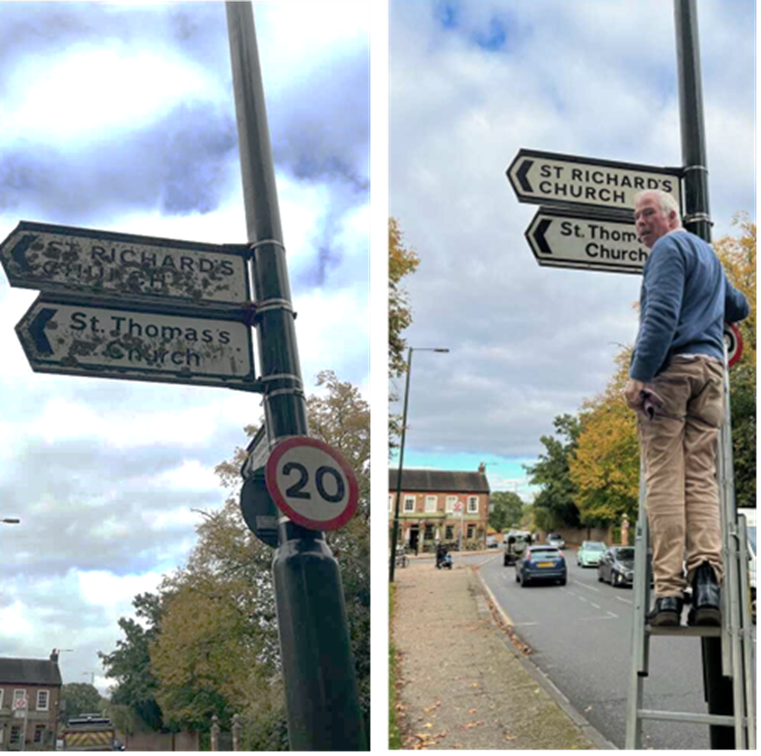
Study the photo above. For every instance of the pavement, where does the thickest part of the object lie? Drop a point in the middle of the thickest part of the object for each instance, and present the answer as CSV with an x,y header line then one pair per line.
x,y
464,679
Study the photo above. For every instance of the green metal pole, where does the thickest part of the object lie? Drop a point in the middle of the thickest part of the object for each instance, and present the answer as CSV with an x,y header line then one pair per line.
x,y
322,699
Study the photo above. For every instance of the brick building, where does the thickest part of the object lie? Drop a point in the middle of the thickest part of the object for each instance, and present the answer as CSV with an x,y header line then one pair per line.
x,y
440,505
38,681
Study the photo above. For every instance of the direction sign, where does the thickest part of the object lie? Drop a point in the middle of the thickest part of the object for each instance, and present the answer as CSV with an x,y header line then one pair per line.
x,y
548,178
257,453
65,259
311,483
130,343
258,509
564,239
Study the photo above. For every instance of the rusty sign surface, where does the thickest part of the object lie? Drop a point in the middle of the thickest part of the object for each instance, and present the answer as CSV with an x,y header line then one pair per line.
x,y
133,344
85,261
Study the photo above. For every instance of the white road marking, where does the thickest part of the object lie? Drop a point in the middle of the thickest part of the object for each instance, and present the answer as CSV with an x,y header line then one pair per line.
x,y
596,606
525,624
581,598
588,587
592,619
626,601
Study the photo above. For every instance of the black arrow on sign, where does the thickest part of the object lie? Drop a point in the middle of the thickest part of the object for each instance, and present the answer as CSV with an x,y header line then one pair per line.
x,y
541,230
521,175
37,330
18,253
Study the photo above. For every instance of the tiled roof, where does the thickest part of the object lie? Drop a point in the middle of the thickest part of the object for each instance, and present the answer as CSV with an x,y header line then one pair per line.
x,y
30,671
439,481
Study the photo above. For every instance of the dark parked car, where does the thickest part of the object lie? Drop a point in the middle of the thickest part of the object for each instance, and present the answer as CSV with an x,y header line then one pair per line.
x,y
541,562
617,566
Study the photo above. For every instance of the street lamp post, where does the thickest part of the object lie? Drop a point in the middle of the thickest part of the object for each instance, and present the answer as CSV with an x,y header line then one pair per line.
x,y
395,530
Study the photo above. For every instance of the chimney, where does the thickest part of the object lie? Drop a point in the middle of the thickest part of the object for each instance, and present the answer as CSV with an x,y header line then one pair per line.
x,y
54,656
482,468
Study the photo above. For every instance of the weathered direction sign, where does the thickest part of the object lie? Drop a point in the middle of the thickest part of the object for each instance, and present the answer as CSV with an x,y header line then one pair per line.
x,y
64,259
257,453
104,342
548,178
563,239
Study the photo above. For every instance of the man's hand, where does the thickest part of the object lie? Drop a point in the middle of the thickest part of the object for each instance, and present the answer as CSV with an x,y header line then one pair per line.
x,y
633,393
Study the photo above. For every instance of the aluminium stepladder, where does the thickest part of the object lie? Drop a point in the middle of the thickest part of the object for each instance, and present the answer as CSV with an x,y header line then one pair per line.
x,y
737,649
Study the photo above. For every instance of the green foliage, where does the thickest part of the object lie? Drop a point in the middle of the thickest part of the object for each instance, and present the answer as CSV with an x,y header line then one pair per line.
x,y
80,698
506,510
401,262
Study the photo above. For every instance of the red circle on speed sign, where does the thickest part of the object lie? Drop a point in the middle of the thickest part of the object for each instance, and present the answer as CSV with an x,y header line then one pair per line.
x,y
734,341
311,483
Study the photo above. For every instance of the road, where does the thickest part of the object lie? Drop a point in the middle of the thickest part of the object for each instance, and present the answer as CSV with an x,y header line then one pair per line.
x,y
580,635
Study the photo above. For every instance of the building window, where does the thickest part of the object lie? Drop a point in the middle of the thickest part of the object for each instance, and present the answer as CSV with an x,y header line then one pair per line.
x,y
450,504
39,731
15,735
429,532
409,503
472,504
430,503
449,533
18,695
42,700
471,531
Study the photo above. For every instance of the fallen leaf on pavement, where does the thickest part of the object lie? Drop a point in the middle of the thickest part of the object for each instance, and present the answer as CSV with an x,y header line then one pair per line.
x,y
471,725
474,685
472,711
428,726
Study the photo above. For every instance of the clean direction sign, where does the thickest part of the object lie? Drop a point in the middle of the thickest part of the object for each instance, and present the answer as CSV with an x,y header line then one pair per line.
x,y
79,260
565,240
145,346
549,178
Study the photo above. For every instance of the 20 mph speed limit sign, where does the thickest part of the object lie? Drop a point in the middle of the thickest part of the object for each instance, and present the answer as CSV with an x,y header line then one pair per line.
x,y
311,483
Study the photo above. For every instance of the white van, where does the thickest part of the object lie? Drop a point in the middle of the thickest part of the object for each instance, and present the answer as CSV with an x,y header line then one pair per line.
x,y
750,518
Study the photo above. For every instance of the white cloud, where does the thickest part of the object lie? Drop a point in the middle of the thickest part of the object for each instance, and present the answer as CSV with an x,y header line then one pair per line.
x,y
134,88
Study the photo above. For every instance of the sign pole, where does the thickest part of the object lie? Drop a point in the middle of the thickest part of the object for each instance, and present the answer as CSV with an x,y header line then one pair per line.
x,y
718,688
322,700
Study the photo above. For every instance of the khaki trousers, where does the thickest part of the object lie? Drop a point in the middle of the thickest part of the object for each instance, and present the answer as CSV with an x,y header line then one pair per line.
x,y
679,448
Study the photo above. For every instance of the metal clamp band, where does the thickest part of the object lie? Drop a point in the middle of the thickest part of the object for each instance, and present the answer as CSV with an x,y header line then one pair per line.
x,y
273,304
280,377
253,246
694,168
295,391
697,217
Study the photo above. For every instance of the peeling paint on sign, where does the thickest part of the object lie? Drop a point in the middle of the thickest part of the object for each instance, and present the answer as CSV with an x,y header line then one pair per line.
x,y
65,259
129,344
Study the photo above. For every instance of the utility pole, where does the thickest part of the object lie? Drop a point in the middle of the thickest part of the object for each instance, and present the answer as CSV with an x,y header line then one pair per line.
x,y
718,688
322,700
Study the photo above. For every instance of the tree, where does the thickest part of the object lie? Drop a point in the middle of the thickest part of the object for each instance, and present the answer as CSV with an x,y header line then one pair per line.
x,y
401,262
506,510
555,504
80,698
129,664
739,258
217,651
605,465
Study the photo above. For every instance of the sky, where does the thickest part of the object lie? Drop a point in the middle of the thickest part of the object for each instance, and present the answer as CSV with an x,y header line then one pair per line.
x,y
470,84
121,118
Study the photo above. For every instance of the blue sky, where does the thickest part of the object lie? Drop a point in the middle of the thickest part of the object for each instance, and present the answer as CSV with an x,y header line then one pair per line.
x,y
121,118
470,84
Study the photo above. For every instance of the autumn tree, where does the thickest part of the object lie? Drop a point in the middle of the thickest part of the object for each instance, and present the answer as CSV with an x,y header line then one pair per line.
x,y
402,262
217,651
506,510
605,465
738,254
79,698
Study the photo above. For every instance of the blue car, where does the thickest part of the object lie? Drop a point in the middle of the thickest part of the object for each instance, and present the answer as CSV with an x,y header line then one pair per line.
x,y
541,562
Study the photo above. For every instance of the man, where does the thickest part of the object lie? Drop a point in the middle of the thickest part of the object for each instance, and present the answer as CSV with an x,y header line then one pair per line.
x,y
677,369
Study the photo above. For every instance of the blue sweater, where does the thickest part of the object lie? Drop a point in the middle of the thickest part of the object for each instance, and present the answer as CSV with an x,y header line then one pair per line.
x,y
684,301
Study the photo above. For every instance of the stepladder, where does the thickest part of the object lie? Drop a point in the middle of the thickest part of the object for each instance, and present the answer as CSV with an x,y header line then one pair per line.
x,y
728,651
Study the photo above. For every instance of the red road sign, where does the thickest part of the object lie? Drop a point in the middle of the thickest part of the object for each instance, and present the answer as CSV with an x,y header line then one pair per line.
x,y
311,483
734,341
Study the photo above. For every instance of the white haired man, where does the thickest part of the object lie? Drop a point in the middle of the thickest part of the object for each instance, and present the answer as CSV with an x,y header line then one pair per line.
x,y
679,354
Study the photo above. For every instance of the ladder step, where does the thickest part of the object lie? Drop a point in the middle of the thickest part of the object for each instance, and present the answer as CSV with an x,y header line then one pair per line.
x,y
685,632
688,717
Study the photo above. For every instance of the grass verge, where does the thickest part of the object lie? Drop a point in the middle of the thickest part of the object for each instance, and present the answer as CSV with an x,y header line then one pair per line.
x,y
394,735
